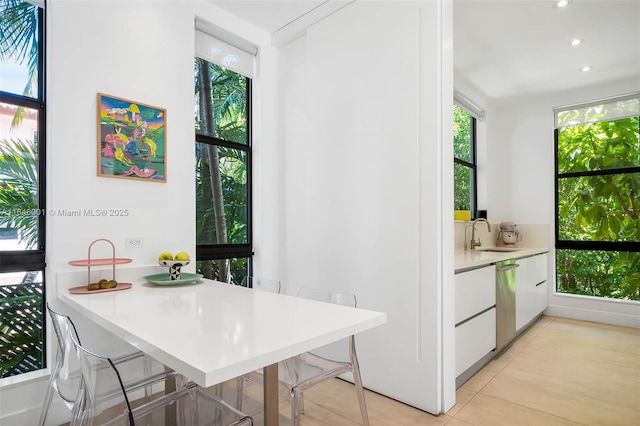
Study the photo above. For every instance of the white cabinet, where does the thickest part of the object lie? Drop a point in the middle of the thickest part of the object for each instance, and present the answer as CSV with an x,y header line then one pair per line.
x,y
475,292
531,288
474,339
475,316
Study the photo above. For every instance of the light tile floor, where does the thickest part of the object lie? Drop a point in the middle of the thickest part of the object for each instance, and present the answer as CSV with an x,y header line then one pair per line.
x,y
559,372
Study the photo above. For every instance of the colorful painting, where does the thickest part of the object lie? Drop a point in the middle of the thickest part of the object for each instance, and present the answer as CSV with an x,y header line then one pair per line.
x,y
131,140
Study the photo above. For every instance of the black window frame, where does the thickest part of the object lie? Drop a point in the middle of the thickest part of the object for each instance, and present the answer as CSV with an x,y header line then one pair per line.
x,y
34,260
473,164
206,252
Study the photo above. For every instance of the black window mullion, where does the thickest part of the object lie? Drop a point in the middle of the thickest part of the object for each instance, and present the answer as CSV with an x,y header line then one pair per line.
x,y
632,246
212,140
222,251
606,172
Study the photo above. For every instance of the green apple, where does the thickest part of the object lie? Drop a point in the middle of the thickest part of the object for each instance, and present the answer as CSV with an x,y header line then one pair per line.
x,y
165,255
182,256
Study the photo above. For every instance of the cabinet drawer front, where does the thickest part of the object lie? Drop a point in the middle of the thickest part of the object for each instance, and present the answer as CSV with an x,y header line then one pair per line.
x,y
475,292
537,268
475,339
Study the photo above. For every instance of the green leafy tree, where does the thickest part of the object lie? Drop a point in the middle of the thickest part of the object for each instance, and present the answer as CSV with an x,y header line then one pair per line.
x,y
599,206
462,150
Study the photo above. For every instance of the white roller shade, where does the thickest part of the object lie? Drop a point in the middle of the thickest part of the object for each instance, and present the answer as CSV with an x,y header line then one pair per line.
x,y
595,111
220,47
469,106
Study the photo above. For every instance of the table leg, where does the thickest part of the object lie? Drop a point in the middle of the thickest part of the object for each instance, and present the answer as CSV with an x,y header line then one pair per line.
x,y
271,401
170,410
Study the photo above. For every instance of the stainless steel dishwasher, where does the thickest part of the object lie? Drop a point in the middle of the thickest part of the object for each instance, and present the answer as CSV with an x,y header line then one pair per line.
x,y
505,302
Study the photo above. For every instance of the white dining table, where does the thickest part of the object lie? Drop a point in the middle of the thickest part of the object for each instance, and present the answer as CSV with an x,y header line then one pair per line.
x,y
211,332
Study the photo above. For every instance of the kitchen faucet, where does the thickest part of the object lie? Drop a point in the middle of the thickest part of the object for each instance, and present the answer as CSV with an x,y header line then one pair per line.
x,y
475,244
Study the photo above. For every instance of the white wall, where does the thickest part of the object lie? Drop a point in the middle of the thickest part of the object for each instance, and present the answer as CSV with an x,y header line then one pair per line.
x,y
141,51
363,96
522,183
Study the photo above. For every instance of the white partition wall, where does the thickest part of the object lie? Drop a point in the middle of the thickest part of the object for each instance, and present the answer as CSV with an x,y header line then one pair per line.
x,y
361,112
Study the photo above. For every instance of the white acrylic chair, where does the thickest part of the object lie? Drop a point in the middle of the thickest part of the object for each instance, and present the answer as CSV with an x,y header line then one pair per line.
x,y
307,370
273,286
303,371
66,377
104,400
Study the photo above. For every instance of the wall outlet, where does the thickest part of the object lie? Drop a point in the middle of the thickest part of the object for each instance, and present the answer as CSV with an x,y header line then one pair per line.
x,y
134,242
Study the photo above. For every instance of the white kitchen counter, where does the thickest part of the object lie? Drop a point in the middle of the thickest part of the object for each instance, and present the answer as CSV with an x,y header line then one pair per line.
x,y
471,259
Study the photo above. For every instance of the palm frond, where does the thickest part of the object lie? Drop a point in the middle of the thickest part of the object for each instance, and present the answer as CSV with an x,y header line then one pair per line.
x,y
18,29
19,188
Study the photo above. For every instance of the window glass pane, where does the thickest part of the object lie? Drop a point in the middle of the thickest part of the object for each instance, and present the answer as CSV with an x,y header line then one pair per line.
x,y
21,332
221,102
462,184
221,195
462,136
225,270
19,209
599,146
612,274
599,208
19,32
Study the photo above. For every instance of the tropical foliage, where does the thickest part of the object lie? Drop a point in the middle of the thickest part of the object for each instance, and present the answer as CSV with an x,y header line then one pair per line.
x,y
21,328
19,189
599,201
462,150
221,171
19,43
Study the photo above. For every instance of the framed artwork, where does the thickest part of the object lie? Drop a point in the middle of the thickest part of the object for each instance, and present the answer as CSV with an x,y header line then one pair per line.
x,y
132,140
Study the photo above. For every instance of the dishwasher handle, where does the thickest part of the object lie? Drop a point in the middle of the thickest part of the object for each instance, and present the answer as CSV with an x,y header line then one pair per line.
x,y
507,268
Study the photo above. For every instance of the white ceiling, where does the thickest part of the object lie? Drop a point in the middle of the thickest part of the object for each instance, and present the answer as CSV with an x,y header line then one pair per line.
x,y
505,48
269,15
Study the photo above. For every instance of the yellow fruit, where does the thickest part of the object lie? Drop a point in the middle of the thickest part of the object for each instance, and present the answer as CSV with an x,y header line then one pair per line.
x,y
182,256
165,255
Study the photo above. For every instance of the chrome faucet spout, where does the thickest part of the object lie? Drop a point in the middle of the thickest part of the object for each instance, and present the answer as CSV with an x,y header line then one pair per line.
x,y
478,243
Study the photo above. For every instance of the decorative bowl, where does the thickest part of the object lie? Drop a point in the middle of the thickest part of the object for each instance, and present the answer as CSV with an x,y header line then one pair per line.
x,y
174,267
171,263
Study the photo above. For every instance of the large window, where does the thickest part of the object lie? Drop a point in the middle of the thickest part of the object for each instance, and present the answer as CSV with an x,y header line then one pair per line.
x,y
22,196
223,172
598,199
464,157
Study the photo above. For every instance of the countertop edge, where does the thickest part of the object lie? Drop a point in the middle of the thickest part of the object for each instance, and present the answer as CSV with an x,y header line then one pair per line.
x,y
472,259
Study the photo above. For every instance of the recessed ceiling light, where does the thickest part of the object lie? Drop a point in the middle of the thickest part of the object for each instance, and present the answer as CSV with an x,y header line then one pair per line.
x,y
562,3
586,68
576,41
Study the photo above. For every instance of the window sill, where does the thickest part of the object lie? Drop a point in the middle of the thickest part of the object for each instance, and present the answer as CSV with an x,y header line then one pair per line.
x,y
22,379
